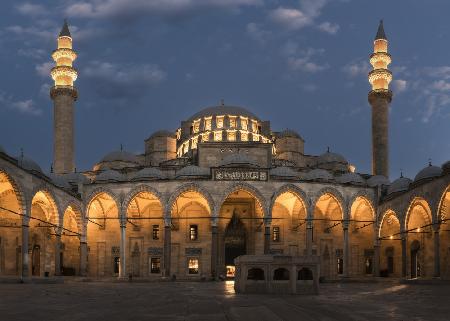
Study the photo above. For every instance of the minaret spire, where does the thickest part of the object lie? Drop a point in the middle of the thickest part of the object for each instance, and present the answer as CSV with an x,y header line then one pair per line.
x,y
379,98
64,95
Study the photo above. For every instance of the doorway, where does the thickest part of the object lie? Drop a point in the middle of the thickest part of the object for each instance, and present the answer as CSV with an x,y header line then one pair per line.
x,y
415,265
235,243
36,261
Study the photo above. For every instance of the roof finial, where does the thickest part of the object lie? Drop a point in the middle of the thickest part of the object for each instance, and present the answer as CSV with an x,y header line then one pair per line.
x,y
65,32
121,147
401,173
51,168
380,32
21,152
222,102
328,149
429,162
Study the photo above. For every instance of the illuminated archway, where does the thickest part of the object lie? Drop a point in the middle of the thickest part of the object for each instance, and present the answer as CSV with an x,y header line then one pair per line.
x,y
10,227
146,231
328,234
390,245
419,250
70,241
103,235
444,216
362,237
289,223
43,227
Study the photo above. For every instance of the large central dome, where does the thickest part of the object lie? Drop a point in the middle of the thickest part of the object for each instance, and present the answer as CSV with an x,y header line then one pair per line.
x,y
223,110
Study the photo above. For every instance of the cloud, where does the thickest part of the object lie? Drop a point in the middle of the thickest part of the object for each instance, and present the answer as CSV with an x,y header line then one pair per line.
x,y
30,9
441,85
44,68
34,53
328,27
292,19
126,8
255,32
22,106
302,60
399,85
33,32
357,68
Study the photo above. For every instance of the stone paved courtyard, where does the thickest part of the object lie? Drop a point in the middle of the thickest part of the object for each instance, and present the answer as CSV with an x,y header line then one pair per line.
x,y
217,301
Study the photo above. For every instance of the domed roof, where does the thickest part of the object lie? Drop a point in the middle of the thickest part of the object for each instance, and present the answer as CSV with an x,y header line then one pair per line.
x,y
162,133
428,172
351,178
148,173
59,180
378,180
319,174
110,176
330,157
28,164
192,171
283,172
446,167
289,133
76,178
239,160
223,110
120,156
399,185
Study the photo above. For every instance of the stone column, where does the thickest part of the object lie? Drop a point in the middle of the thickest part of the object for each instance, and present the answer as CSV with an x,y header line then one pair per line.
x,y
83,256
346,250
376,258
214,251
58,254
25,273
309,237
403,255
267,239
437,252
167,250
123,241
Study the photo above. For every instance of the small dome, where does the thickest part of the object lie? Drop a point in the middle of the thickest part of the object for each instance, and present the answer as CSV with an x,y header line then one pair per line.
x,y
223,110
283,172
148,173
330,157
238,160
352,178
378,180
28,164
59,180
162,133
319,174
289,133
446,167
76,178
192,171
110,176
428,172
120,156
401,184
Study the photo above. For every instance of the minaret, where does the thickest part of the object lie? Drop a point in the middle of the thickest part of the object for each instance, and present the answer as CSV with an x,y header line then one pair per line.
x,y
379,98
64,95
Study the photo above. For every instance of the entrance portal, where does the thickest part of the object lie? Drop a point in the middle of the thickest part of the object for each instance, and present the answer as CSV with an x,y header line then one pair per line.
x,y
235,242
415,265
36,261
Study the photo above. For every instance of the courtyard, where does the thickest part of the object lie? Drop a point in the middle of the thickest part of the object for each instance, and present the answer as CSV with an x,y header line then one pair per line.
x,y
387,300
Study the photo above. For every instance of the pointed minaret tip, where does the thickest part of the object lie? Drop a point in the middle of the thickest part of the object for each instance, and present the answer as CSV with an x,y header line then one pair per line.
x,y
65,32
380,33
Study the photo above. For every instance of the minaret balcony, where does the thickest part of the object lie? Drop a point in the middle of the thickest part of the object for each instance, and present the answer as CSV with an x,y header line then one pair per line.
x,y
64,53
380,57
380,74
63,71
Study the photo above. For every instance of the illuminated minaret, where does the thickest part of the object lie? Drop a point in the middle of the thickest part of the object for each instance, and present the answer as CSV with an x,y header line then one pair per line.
x,y
379,98
64,95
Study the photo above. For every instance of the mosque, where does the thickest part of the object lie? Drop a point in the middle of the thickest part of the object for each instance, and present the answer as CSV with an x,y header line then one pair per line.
x,y
224,184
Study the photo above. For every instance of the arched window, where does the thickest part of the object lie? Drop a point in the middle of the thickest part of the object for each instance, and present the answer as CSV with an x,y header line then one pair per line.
x,y
255,274
281,274
305,274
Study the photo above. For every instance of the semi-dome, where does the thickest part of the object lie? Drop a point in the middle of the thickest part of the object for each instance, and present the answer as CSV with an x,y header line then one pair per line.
x,y
319,174
378,180
110,176
401,184
162,133
238,160
351,178
192,171
76,178
283,172
59,180
330,157
289,133
428,172
28,164
223,110
148,173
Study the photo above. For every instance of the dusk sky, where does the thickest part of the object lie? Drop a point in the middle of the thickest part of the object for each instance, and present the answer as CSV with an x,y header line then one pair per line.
x,y
146,65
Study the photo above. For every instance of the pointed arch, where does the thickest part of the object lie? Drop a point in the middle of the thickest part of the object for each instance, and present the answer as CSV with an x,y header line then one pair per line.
x,y
366,198
140,189
76,209
190,187
56,216
297,191
101,190
422,203
442,210
18,189
336,195
389,212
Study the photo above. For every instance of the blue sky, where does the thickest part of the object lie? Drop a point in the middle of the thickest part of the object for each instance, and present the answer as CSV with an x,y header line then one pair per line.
x,y
146,65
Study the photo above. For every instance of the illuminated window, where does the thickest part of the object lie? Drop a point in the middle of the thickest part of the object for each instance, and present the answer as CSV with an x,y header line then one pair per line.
x,y
155,265
255,137
254,126
205,137
194,142
193,232
231,135
193,265
185,148
264,140
218,136
155,232
232,121
276,235
244,136
178,133
196,126
208,123
219,121
244,123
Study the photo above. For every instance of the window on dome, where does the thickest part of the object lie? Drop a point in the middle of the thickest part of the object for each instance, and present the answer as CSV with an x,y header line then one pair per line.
x,y
232,121
185,148
255,137
208,123
205,137
244,123
194,142
254,126
178,133
196,126
231,135
219,121
218,136
244,136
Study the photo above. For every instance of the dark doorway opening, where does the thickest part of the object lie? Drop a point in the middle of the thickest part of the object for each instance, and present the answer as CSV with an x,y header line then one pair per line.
x,y
36,261
235,242
415,265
